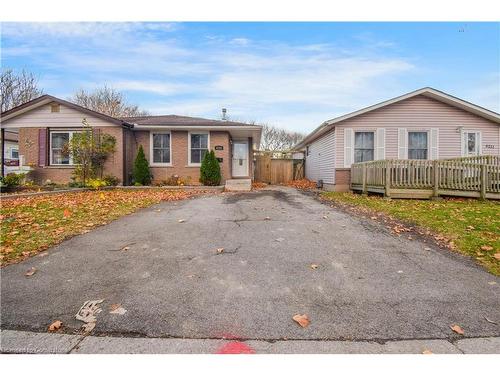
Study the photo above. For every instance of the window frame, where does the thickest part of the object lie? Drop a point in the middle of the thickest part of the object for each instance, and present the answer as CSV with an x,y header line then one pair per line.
x,y
151,148
190,164
354,145
61,131
427,132
16,149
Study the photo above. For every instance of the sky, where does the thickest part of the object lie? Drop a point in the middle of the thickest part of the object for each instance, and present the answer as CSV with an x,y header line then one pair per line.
x,y
291,75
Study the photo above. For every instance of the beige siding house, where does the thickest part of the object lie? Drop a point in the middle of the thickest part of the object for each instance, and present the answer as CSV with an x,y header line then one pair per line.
x,y
424,124
174,145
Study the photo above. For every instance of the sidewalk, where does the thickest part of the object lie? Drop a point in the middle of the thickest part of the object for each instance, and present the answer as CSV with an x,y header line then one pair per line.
x,y
45,343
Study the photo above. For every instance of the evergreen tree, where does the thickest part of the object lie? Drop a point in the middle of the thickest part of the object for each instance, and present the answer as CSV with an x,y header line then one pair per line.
x,y
141,173
210,170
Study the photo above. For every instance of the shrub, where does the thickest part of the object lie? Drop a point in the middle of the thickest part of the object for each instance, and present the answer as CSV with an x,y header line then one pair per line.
x,y
111,180
210,170
96,183
13,179
141,174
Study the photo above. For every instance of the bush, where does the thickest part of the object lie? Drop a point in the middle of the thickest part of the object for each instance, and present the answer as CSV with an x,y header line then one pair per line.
x,y
111,180
96,183
141,174
13,179
210,170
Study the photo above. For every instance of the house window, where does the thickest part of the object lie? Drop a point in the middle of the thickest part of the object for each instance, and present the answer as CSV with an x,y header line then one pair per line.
x,y
363,146
58,147
198,147
472,143
161,148
14,153
58,142
417,145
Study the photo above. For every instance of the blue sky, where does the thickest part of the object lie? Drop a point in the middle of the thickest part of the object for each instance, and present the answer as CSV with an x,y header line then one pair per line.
x,y
292,75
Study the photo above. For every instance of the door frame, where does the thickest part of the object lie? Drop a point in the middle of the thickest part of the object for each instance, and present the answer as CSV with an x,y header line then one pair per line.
x,y
243,141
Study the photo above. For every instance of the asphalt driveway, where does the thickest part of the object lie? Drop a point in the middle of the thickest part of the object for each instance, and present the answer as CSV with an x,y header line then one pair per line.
x,y
369,284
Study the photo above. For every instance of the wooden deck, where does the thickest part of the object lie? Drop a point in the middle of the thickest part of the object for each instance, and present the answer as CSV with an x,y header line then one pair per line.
x,y
475,177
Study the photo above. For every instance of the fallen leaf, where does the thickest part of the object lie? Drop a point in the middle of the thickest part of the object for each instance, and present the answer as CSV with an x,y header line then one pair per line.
x,y
67,213
116,308
55,326
325,217
427,351
486,248
30,272
456,328
267,218
181,220
220,250
427,248
280,239
158,210
302,320
492,282
496,256
88,327
125,248
314,266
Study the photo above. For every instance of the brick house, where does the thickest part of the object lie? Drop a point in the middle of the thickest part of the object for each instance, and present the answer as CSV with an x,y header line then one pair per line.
x,y
174,145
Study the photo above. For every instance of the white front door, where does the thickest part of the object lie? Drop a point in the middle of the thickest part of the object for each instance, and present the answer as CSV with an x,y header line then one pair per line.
x,y
240,158
471,143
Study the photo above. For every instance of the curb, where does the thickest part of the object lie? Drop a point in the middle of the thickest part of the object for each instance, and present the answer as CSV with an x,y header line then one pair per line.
x,y
53,343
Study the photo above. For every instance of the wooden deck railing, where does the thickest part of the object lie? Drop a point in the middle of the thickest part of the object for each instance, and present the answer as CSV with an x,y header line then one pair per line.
x,y
477,176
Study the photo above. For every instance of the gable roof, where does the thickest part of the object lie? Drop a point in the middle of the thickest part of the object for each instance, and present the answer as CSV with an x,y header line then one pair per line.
x,y
174,120
46,99
426,91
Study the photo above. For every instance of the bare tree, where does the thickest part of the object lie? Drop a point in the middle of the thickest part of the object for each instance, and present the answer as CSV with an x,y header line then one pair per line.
x,y
108,101
17,88
278,139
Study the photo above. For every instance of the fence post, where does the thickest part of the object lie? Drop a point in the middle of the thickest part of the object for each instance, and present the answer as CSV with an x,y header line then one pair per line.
x,y
365,189
435,167
482,194
388,175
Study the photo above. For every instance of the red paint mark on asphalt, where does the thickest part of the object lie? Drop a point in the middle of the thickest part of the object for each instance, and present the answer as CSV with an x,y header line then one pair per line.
x,y
235,347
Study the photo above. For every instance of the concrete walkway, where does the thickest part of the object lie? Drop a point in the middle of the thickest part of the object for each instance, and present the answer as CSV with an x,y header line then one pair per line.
x,y
45,343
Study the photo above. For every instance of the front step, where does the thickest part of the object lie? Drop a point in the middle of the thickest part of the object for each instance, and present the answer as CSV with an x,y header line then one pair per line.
x,y
244,184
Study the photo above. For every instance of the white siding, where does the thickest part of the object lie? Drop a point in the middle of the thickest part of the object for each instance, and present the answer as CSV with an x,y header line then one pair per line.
x,y
320,163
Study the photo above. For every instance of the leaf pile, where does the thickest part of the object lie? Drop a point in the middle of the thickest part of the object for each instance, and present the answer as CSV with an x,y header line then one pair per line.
x,y
469,226
303,184
32,224
258,185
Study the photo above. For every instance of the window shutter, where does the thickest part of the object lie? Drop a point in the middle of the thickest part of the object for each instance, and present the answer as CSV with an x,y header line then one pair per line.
x,y
380,144
402,143
348,147
463,152
434,144
480,142
42,147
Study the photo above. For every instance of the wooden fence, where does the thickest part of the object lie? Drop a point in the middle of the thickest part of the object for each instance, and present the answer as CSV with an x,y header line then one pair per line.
x,y
477,176
277,171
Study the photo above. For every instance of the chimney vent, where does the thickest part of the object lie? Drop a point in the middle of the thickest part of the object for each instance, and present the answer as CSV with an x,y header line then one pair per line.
x,y
224,112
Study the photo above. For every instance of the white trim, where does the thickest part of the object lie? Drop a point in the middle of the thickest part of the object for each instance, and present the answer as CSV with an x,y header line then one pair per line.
x,y
151,154
189,146
348,147
479,141
70,132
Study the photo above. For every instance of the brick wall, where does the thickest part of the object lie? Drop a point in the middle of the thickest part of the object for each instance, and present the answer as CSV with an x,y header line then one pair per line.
x,y
180,167
29,147
342,179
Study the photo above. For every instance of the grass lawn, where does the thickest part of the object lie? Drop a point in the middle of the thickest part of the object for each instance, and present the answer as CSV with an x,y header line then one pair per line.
x,y
32,224
469,226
